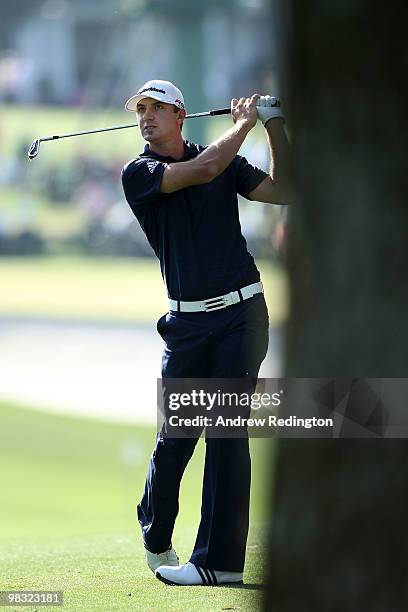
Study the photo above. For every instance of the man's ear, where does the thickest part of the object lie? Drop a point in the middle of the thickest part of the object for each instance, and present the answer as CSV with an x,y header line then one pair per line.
x,y
182,114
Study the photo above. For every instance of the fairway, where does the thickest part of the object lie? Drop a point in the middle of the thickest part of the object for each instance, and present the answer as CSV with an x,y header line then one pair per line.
x,y
67,517
107,289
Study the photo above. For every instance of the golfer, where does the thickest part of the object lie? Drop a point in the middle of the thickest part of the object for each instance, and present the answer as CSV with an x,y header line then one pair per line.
x,y
184,196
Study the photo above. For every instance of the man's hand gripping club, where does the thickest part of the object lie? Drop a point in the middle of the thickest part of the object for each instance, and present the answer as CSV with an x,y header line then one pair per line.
x,y
248,110
244,111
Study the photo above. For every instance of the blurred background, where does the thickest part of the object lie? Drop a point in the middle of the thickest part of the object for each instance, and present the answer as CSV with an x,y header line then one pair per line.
x,y
80,290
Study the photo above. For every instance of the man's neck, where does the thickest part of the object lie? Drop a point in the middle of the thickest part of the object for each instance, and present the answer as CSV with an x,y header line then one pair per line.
x,y
174,149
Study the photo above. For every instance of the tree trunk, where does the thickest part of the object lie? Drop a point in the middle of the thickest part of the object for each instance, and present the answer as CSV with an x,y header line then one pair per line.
x,y
339,533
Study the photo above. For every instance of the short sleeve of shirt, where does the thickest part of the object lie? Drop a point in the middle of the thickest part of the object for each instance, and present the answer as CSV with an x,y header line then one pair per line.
x,y
141,180
248,176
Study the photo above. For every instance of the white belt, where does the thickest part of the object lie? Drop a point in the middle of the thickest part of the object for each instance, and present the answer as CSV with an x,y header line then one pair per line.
x,y
216,303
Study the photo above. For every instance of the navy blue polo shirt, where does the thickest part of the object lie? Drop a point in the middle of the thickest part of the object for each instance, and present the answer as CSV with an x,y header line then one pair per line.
x,y
195,232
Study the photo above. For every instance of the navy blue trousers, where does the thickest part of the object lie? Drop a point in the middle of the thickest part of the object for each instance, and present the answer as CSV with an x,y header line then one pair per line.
x,y
228,343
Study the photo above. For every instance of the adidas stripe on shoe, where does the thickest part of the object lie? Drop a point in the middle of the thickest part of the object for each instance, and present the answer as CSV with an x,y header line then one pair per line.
x,y
192,575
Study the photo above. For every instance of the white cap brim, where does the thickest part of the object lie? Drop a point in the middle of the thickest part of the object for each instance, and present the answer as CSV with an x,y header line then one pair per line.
x,y
131,104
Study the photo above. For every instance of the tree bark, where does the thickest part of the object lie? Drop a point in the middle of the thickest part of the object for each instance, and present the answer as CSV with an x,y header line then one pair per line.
x,y
339,536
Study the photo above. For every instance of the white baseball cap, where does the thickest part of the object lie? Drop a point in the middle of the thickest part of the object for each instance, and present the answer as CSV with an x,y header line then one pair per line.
x,y
158,90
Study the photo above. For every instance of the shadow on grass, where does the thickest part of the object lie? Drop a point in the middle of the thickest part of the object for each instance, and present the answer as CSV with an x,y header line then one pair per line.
x,y
249,586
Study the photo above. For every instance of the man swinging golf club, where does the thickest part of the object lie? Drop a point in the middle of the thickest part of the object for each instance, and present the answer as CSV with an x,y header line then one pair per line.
x,y
185,198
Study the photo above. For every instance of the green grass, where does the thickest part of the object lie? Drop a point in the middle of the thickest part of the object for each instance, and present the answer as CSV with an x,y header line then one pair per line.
x,y
103,288
67,517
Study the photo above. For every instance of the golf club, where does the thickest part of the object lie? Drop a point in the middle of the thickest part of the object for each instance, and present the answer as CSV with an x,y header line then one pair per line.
x,y
35,147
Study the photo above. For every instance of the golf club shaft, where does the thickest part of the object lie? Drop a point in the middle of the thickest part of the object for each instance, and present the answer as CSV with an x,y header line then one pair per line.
x,y
108,129
220,111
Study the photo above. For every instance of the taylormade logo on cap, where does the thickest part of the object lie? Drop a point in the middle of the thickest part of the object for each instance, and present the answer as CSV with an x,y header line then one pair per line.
x,y
158,90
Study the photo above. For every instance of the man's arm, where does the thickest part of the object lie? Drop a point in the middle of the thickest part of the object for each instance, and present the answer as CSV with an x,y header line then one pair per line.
x,y
218,155
278,187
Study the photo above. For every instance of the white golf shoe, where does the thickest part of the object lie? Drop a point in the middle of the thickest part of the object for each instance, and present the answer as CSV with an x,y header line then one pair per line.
x,y
168,558
190,575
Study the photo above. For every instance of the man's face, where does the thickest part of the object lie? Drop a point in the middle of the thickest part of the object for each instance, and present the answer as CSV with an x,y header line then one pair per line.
x,y
157,120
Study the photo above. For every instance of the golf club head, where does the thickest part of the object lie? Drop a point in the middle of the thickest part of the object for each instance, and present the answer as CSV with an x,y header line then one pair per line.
x,y
34,149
